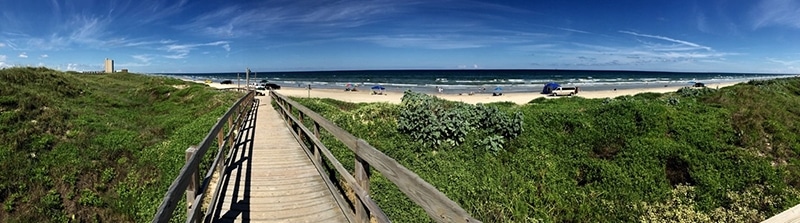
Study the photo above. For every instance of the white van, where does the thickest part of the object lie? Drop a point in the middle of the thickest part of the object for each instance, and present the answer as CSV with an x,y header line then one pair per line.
x,y
565,91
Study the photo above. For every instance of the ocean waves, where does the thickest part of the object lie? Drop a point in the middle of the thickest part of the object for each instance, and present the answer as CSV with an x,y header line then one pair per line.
x,y
479,80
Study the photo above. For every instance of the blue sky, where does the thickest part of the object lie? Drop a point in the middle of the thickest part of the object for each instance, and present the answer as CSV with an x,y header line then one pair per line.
x,y
287,35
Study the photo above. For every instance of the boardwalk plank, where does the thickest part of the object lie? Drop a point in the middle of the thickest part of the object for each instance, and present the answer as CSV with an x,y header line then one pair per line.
x,y
274,180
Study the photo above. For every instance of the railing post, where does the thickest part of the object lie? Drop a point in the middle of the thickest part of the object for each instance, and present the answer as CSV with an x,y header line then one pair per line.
x,y
317,151
361,174
287,112
232,129
221,139
194,181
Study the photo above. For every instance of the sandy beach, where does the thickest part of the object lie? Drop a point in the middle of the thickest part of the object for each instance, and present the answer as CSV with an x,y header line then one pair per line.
x,y
518,98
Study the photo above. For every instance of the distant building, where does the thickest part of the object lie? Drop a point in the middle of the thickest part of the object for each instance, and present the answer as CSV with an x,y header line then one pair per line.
x,y
109,65
124,71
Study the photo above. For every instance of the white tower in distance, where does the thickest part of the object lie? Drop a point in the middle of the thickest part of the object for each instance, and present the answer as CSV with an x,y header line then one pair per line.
x,y
109,66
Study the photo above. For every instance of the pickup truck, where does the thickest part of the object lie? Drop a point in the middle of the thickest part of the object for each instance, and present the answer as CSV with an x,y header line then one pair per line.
x,y
565,91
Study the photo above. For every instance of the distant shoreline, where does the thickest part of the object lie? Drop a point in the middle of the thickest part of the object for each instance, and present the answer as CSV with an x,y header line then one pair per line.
x,y
481,81
364,94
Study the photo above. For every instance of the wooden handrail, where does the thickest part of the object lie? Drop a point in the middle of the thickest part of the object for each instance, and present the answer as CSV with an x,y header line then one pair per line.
x,y
190,172
363,194
435,203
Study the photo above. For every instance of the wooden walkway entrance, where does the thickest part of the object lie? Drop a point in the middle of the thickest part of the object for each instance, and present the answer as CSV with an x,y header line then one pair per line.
x,y
270,166
271,179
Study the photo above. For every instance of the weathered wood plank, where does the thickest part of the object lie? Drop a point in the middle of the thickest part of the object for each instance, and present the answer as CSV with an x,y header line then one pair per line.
x,y
362,195
270,174
791,215
435,203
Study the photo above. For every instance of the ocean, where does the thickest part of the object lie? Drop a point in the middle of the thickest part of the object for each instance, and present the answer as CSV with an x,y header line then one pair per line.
x,y
464,81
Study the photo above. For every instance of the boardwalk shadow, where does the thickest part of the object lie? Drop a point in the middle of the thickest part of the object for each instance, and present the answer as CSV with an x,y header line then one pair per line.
x,y
238,172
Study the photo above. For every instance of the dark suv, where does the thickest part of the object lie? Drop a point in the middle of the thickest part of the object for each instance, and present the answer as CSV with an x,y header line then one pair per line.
x,y
272,86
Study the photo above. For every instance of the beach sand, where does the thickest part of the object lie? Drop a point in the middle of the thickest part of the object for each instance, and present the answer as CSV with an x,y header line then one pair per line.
x,y
518,98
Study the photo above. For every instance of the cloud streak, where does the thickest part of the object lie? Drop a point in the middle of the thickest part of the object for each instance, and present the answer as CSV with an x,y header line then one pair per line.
x,y
784,62
142,58
180,51
241,21
23,55
575,30
686,43
424,41
776,13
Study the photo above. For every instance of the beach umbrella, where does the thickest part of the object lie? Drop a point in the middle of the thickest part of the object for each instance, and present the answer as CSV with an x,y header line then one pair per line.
x,y
549,87
378,87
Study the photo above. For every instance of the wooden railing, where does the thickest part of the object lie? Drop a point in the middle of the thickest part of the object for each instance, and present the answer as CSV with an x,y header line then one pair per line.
x,y
188,181
435,203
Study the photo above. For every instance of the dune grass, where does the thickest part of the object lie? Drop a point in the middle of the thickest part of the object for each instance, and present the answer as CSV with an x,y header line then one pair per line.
x,y
696,155
89,147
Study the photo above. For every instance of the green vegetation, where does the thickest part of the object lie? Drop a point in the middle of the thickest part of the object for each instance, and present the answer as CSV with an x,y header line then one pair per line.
x,y
697,155
436,122
89,148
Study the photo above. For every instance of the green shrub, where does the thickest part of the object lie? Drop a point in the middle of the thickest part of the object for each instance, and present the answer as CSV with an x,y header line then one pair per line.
x,y
437,122
694,92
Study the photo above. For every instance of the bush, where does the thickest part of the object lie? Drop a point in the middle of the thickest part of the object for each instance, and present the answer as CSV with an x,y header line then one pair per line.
x,y
694,92
436,122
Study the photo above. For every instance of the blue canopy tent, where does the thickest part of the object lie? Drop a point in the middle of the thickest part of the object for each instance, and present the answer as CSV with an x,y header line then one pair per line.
x,y
549,87
497,91
378,89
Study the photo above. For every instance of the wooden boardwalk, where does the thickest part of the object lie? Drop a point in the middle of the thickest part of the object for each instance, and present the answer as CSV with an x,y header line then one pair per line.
x,y
271,179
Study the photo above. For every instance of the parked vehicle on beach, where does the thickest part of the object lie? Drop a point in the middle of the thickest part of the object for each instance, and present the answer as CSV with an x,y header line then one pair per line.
x,y
272,86
561,91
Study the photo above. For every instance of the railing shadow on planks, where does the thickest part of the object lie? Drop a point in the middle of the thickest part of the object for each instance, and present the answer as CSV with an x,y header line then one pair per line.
x,y
188,180
438,206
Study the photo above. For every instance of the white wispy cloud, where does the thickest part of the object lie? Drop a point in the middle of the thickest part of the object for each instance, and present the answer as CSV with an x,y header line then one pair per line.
x,y
575,30
702,23
146,43
43,56
423,41
247,20
84,24
180,51
88,29
23,55
776,13
155,10
2,58
686,43
634,54
124,65
143,58
784,62
2,44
